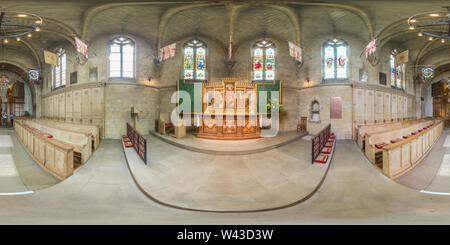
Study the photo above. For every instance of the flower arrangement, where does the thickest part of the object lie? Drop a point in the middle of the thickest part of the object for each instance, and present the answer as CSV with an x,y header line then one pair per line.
x,y
273,105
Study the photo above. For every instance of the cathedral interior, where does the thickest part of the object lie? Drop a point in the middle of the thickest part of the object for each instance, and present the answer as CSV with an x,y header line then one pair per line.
x,y
224,112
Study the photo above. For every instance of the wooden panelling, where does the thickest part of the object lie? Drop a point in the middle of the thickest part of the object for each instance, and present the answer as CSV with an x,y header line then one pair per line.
x,y
82,104
394,102
387,107
369,106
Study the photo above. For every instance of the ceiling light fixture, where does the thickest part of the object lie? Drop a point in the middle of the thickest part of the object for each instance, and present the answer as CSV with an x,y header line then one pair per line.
x,y
15,25
435,25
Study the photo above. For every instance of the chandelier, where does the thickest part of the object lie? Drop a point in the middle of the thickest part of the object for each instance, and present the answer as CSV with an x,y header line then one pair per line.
x,y
435,25
14,25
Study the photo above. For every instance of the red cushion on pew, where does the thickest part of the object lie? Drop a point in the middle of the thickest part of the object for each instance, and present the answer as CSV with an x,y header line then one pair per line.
x,y
380,145
128,144
395,140
326,150
168,124
420,130
322,158
329,144
48,136
414,133
406,136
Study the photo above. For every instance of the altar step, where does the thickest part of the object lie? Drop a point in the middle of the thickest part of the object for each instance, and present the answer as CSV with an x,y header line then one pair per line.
x,y
230,147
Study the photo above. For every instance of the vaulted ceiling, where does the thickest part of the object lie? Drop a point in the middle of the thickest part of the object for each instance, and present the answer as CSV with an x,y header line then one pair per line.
x,y
162,22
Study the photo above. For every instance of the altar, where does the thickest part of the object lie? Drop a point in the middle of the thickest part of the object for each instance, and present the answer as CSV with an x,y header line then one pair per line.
x,y
229,109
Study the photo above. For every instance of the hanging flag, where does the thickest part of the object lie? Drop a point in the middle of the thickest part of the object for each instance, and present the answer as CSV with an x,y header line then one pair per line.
x,y
291,49
81,47
295,51
172,48
167,52
33,75
371,47
50,58
401,58
427,72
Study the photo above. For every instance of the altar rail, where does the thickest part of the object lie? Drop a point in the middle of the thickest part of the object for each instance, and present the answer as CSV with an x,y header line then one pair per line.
x,y
319,141
139,142
55,157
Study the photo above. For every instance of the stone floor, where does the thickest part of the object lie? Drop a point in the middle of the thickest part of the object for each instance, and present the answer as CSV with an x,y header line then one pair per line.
x,y
230,147
192,180
18,172
103,192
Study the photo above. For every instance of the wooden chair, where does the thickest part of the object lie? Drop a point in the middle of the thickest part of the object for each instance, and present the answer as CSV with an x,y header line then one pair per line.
x,y
302,125
164,123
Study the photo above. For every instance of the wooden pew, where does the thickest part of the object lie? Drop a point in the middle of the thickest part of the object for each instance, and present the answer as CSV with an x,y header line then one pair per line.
x,y
375,138
81,143
53,156
400,157
80,128
362,130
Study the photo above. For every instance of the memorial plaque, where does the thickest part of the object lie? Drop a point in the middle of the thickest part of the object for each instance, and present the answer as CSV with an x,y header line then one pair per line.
x,y
335,107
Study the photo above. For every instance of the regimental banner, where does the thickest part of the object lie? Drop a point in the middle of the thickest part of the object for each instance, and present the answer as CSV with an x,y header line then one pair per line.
x,y
172,49
33,76
81,47
427,72
50,58
401,58
295,51
167,52
371,47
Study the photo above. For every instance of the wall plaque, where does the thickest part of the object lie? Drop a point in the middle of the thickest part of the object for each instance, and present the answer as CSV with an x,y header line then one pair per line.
x,y
382,78
335,107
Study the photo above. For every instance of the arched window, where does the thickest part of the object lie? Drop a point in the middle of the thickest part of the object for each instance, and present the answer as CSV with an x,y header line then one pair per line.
x,y
59,71
121,58
335,60
397,73
194,60
264,61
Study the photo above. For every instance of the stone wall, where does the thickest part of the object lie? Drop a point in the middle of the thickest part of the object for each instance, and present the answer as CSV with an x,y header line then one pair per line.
x,y
120,98
341,127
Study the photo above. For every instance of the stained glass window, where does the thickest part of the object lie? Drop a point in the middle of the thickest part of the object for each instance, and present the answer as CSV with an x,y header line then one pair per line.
x,y
397,74
393,75
335,59
194,60
264,61
59,71
121,58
